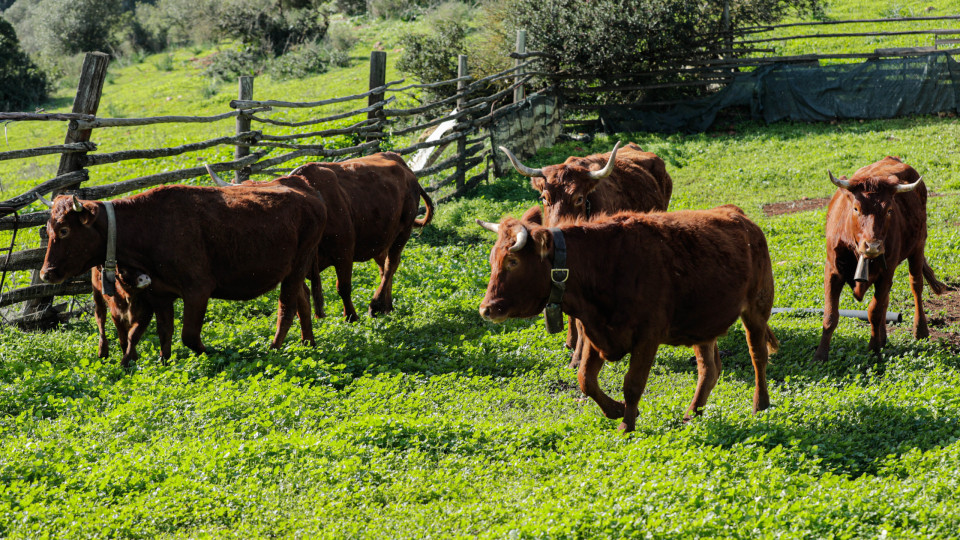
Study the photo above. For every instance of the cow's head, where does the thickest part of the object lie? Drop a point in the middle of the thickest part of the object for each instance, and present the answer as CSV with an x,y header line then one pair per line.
x,y
564,189
74,243
519,270
871,201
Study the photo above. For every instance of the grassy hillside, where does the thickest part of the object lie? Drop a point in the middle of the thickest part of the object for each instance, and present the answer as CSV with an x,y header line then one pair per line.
x,y
431,422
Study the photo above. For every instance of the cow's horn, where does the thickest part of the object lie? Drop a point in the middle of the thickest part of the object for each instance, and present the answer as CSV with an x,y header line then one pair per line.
x,y
44,201
492,227
520,167
216,178
842,184
608,168
903,188
521,239
77,205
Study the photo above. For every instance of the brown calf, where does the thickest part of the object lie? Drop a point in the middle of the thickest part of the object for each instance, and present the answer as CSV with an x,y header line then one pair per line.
x,y
640,280
875,221
196,243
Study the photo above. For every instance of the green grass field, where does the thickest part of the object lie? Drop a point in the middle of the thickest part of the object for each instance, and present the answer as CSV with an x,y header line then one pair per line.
x,y
432,423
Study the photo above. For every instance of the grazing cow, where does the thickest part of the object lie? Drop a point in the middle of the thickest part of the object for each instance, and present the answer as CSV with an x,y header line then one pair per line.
x,y
875,221
635,281
631,180
194,243
372,202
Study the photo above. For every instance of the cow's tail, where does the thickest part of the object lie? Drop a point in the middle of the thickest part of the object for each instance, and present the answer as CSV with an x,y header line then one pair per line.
x,y
429,215
935,284
773,344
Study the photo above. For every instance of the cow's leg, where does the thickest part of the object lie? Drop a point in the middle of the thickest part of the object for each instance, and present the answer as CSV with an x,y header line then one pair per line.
x,y
141,321
756,327
383,299
590,366
916,263
291,303
303,313
100,314
123,332
832,287
708,373
194,310
877,313
316,289
164,313
344,268
571,333
641,360
578,343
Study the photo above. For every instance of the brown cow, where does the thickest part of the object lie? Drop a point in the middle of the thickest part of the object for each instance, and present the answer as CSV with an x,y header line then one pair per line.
x,y
875,221
372,203
197,243
636,281
631,180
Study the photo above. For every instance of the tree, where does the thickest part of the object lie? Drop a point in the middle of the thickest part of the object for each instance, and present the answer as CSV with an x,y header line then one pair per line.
x,y
22,84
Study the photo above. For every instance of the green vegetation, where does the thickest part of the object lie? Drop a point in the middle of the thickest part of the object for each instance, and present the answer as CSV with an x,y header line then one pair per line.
x,y
431,422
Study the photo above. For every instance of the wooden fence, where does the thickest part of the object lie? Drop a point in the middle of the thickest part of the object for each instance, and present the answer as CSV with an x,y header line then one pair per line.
x,y
474,109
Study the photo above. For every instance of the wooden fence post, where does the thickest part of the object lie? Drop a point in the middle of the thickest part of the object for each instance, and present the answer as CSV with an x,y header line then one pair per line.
x,y
378,78
518,92
87,101
461,104
243,125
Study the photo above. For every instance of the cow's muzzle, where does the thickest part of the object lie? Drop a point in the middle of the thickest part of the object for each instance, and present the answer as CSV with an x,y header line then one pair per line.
x,y
491,315
48,275
871,250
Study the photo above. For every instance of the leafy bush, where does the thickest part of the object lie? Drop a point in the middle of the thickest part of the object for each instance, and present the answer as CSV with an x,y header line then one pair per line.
x,y
351,7
300,62
399,9
22,84
261,26
178,22
229,64
433,57
340,39
67,26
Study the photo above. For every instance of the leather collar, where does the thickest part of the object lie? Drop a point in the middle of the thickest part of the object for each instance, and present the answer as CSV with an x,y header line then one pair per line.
x,y
553,315
108,277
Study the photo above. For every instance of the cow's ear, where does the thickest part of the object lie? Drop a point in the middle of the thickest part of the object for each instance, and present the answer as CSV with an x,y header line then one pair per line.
x,y
533,215
538,183
543,240
88,213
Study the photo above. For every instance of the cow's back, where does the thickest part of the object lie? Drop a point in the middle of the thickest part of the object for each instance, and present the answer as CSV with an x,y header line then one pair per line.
x,y
242,241
639,182
690,272
379,193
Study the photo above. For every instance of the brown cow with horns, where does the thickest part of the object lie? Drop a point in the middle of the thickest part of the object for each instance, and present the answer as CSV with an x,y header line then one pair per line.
x,y
581,187
194,243
636,281
875,221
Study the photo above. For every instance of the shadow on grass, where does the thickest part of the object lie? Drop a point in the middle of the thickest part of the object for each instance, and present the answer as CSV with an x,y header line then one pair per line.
x,y
850,441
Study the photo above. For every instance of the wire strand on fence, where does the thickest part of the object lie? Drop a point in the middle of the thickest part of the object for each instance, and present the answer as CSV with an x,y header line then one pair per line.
x,y
20,116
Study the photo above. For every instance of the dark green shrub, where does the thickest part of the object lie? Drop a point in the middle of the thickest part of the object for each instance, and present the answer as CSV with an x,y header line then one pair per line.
x,y
433,57
270,31
228,65
299,62
351,7
22,84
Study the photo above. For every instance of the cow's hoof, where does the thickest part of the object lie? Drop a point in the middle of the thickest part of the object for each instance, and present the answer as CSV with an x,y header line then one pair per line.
x,y
625,428
921,333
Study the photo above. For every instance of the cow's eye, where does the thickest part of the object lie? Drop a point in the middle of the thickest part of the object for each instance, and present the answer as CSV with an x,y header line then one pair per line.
x,y
543,201
890,212
856,209
511,263
64,232
579,200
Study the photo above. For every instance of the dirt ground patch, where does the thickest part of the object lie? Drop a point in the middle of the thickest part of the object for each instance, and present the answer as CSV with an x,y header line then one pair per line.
x,y
943,316
792,207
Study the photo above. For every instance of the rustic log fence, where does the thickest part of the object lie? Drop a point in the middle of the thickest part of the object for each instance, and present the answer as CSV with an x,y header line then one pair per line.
x,y
257,152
